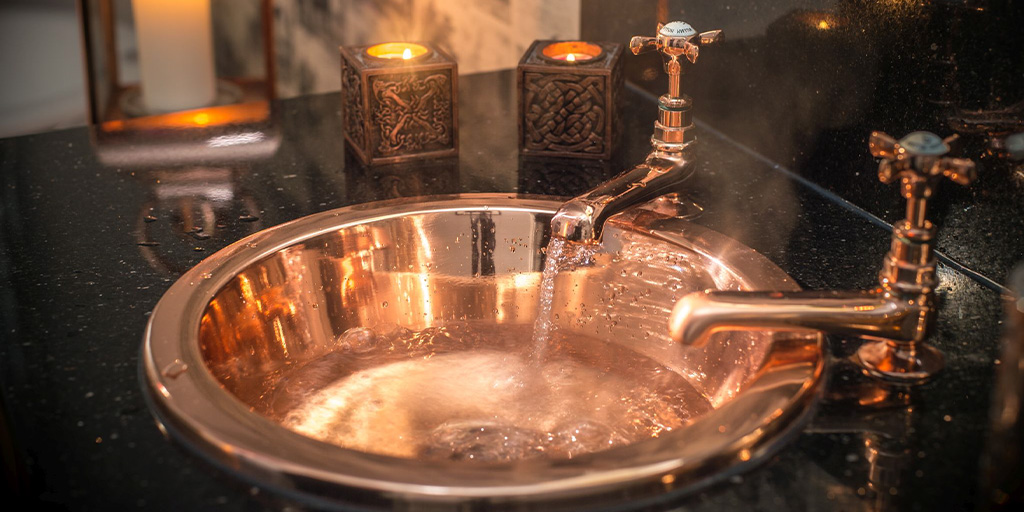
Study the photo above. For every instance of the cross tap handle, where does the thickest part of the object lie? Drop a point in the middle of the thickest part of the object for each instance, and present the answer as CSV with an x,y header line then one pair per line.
x,y
921,154
674,40
918,161
908,278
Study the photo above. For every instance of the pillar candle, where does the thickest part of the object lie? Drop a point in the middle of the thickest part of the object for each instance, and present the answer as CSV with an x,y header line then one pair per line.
x,y
175,44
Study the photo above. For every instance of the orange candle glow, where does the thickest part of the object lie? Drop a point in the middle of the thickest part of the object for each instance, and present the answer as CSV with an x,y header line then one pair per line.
x,y
401,51
572,51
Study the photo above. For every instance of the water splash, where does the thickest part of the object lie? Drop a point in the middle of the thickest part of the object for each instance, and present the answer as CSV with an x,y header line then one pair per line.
x,y
473,392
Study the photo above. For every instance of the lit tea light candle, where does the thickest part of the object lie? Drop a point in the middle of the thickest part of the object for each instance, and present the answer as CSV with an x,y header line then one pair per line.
x,y
397,51
399,102
572,52
175,42
569,96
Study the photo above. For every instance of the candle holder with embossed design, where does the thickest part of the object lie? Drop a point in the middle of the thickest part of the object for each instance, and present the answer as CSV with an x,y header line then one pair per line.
x,y
569,93
399,102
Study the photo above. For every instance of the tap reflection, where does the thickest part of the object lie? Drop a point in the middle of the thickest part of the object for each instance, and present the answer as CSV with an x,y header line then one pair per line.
x,y
561,176
881,418
390,181
190,163
1002,484
186,208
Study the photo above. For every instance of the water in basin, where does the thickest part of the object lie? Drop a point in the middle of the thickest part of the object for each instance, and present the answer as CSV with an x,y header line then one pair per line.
x,y
476,392
575,360
398,340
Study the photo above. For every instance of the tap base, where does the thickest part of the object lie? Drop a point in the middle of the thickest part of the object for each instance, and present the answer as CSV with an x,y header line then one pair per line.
x,y
903,362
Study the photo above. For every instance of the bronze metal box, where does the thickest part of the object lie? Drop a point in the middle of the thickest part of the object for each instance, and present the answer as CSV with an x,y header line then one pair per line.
x,y
399,107
569,106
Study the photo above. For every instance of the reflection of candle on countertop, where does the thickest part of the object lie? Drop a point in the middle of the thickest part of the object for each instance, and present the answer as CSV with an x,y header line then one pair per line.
x,y
175,43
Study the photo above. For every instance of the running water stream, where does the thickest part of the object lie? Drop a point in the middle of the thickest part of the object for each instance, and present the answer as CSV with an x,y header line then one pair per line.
x,y
560,255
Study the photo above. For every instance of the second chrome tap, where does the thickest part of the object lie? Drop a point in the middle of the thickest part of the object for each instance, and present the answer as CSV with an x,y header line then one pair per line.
x,y
896,317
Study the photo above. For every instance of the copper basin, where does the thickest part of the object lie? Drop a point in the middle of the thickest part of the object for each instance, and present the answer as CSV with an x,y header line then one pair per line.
x,y
381,355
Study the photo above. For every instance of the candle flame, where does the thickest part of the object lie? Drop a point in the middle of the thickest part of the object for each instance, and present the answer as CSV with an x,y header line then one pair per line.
x,y
824,25
571,57
407,54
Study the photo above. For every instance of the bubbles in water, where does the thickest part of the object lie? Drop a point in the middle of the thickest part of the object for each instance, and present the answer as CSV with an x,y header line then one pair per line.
x,y
482,443
476,392
357,339
391,334
585,437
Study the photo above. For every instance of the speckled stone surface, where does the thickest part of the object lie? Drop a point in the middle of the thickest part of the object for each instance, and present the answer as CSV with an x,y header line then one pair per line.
x,y
78,287
808,87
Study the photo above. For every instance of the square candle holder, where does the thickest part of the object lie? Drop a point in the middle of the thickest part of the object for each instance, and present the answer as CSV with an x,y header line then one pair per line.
x,y
569,99
399,102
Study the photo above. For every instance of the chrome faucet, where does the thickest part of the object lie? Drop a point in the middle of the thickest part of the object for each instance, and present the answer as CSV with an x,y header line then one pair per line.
x,y
671,161
896,317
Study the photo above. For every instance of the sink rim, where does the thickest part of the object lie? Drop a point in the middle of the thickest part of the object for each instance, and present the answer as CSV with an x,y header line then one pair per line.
x,y
210,421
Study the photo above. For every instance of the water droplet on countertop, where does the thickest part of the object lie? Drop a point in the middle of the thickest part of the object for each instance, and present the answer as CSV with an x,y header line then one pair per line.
x,y
175,369
147,243
149,218
248,218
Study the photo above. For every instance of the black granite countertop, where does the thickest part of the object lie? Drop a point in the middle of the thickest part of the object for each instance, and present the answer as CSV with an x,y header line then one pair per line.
x,y
807,91
87,249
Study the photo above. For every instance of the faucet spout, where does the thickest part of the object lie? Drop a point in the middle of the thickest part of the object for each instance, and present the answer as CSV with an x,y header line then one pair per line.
x,y
582,218
862,313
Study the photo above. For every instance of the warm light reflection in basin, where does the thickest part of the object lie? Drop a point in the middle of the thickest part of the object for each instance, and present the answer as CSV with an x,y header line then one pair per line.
x,y
407,333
